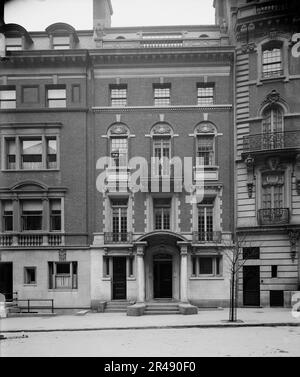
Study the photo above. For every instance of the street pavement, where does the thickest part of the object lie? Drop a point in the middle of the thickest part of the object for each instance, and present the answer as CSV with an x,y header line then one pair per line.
x,y
113,321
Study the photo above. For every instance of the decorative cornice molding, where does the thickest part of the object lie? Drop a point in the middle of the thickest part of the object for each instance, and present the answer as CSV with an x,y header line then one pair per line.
x,y
130,109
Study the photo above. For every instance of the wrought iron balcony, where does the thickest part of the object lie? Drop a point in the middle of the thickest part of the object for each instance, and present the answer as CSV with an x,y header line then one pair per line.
x,y
115,237
272,141
207,237
273,216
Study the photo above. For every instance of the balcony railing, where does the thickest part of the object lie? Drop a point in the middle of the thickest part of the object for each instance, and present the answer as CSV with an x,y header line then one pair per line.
x,y
207,237
272,141
113,237
272,74
31,240
273,216
271,6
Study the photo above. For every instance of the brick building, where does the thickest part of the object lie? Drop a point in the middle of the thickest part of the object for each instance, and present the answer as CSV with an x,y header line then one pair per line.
x,y
73,226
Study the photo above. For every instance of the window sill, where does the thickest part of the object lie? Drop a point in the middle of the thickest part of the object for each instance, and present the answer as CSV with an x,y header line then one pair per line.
x,y
131,279
207,278
106,279
30,285
271,79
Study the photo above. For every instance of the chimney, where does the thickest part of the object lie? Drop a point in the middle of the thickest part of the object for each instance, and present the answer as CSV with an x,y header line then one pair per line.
x,y
102,12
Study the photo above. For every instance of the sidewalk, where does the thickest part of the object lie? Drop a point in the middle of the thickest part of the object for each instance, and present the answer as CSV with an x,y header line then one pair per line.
x,y
119,321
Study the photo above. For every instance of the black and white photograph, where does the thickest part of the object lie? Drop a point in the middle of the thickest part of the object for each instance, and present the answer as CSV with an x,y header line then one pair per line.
x,y
149,181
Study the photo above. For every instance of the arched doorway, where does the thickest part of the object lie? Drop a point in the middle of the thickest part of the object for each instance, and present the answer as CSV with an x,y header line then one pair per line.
x,y
162,276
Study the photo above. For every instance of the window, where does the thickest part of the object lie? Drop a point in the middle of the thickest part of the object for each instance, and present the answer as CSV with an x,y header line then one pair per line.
x,y
272,128
8,99
119,151
35,153
55,215
162,94
61,42
206,266
63,275
272,192
131,266
162,156
32,215
51,153
206,93
57,97
205,220
106,266
31,155
13,44
118,95
205,150
162,214
10,154
7,216
251,253
272,60
119,219
30,275
274,272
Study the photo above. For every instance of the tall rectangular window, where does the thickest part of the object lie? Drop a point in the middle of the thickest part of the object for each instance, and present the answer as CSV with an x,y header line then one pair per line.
x,y
162,156
272,61
206,220
162,94
55,215
8,99
205,94
119,219
10,154
32,154
32,215
7,216
57,97
51,152
119,151
118,95
205,150
162,213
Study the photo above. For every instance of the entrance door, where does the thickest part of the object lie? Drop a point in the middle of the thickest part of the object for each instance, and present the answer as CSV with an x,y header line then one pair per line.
x,y
251,285
163,273
6,280
119,278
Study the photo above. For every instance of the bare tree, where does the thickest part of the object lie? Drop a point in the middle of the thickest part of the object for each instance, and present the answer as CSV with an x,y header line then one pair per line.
x,y
234,251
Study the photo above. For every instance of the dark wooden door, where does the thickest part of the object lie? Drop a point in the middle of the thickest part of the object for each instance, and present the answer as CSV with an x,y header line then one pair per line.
x,y
163,284
119,278
6,280
251,285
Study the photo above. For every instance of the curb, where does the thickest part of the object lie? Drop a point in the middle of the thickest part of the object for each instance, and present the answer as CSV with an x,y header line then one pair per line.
x,y
203,326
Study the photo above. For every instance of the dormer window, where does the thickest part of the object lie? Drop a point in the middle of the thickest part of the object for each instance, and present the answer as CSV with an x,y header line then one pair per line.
x,y
13,44
61,42
62,36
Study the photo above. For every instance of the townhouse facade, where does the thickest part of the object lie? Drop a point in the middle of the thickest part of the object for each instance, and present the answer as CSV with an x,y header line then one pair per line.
x,y
118,170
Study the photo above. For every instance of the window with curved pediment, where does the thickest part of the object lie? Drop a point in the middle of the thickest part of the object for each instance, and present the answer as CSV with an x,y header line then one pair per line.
x,y
205,144
62,36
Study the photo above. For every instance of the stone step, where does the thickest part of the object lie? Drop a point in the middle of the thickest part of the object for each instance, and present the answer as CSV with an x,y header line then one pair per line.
x,y
161,312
